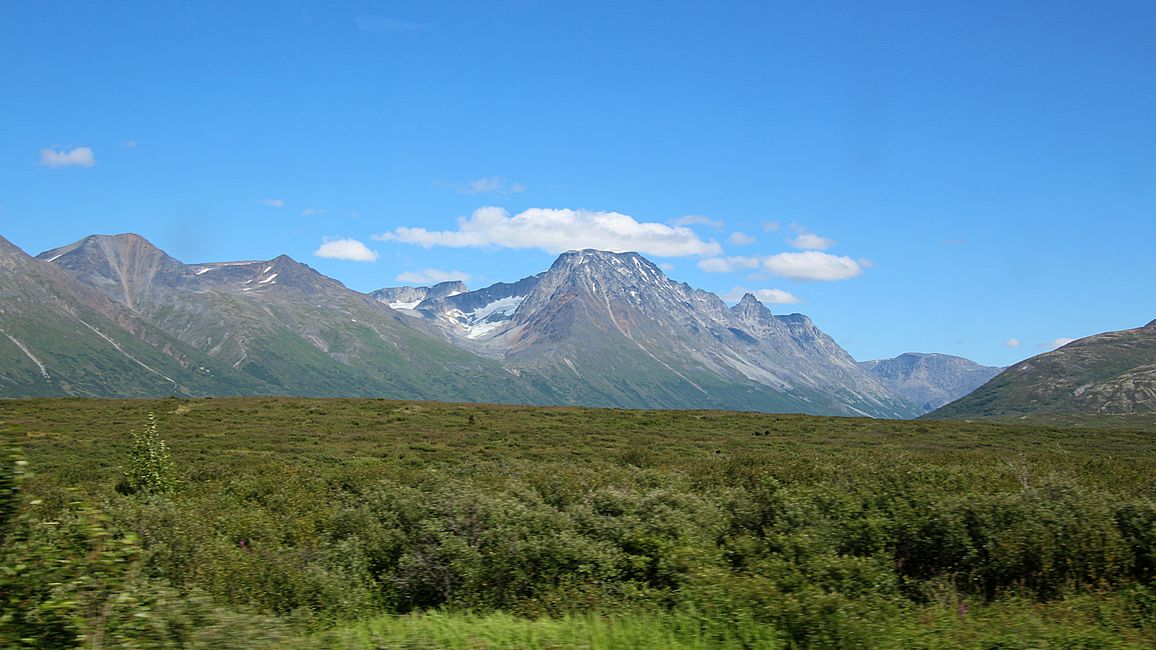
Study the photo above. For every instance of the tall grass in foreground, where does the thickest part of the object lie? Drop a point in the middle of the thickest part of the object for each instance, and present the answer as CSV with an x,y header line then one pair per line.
x,y
1012,624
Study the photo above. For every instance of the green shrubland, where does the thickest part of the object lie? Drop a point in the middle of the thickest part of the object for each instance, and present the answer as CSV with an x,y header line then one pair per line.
x,y
372,523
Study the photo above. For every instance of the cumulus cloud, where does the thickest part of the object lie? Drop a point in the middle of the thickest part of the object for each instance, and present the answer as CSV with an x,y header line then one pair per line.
x,y
728,264
490,185
1056,343
769,296
810,241
558,230
741,239
345,249
76,157
813,265
1011,343
432,276
273,203
699,220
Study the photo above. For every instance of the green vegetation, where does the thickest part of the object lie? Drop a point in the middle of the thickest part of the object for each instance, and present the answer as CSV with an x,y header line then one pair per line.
x,y
373,523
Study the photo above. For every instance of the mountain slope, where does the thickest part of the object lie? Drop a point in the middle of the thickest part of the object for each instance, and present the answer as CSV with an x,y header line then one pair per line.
x,y
930,380
59,337
611,329
1112,373
285,325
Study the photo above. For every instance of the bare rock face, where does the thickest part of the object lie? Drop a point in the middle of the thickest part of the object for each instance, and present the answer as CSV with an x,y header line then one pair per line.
x,y
1109,373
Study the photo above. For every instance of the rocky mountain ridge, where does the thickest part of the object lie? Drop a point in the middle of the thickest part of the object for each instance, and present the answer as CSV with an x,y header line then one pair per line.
x,y
597,328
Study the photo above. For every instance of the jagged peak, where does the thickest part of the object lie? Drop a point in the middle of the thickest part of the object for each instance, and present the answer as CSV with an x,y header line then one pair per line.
x,y
750,306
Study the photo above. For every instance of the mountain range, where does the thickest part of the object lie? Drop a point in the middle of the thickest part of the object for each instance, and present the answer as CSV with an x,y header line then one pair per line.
x,y
115,315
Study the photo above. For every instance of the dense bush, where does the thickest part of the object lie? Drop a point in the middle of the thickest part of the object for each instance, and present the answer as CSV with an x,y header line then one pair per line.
x,y
814,531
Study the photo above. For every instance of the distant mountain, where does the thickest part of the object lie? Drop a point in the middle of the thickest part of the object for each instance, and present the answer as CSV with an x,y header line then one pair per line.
x,y
409,297
610,329
930,380
1113,373
284,325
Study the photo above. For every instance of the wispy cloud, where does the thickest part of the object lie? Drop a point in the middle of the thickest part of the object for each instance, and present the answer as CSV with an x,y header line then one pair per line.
x,y
75,157
813,265
810,241
345,249
1056,343
769,296
128,144
1012,343
489,185
699,220
431,276
741,239
272,203
771,226
728,264
313,212
557,230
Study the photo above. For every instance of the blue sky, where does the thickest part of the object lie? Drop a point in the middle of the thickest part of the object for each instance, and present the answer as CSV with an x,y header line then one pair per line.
x,y
940,177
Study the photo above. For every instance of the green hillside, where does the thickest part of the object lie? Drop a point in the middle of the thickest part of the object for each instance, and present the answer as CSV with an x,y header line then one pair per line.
x,y
1110,373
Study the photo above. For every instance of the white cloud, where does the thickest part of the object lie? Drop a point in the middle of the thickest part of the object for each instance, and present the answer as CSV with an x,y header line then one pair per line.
x,y
771,226
313,212
768,296
741,239
76,157
699,220
1056,343
431,276
666,266
558,230
128,144
490,185
728,264
812,265
1011,343
273,203
345,249
811,241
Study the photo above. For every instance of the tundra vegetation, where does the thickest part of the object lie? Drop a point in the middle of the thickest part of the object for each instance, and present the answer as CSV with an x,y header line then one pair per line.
x,y
304,523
